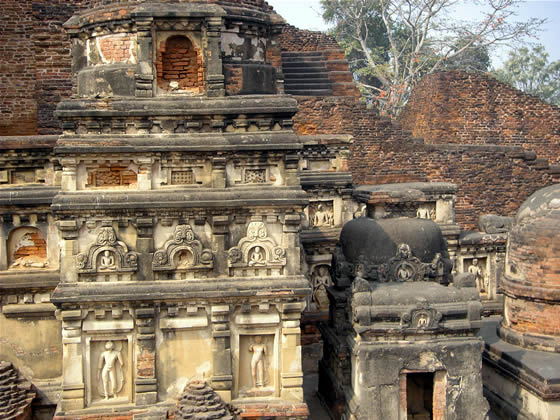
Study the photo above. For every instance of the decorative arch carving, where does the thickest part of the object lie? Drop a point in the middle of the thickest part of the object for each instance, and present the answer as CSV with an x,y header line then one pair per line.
x,y
106,255
183,252
256,249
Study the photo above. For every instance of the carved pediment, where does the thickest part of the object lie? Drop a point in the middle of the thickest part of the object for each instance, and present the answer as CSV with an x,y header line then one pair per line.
x,y
256,249
107,255
183,252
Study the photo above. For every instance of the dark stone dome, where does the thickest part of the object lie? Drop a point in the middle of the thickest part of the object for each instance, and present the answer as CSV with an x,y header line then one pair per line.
x,y
377,241
531,281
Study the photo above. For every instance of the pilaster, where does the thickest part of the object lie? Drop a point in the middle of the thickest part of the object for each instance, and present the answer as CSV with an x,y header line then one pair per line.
x,y
222,379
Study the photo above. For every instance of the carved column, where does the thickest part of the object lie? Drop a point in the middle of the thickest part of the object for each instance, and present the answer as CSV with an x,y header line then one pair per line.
x,y
220,230
291,163
144,76
219,172
214,57
145,379
73,388
69,169
222,378
291,374
68,249
291,242
145,246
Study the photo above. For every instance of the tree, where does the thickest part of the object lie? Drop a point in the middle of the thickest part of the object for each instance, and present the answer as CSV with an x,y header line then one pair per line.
x,y
530,72
394,43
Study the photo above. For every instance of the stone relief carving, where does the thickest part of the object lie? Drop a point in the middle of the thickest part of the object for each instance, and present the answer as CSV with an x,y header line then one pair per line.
x,y
405,267
107,254
421,318
183,252
321,214
258,362
256,249
110,376
427,211
481,279
321,279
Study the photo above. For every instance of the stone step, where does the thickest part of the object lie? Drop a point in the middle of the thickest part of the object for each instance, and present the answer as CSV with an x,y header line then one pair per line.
x,y
309,92
302,54
308,85
307,59
304,65
307,75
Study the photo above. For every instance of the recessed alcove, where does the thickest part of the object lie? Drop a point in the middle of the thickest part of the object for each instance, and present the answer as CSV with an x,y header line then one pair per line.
x,y
180,67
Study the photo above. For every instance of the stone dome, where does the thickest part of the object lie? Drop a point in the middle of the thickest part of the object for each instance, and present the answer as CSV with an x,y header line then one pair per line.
x,y
369,248
531,280
259,5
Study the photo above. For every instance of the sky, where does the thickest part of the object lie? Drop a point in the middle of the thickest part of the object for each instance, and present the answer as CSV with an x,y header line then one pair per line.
x,y
306,14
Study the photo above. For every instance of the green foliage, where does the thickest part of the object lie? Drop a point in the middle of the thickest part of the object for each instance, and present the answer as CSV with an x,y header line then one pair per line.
x,y
530,71
391,44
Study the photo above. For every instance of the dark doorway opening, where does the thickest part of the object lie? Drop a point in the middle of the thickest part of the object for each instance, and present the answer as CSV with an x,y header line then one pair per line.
x,y
419,396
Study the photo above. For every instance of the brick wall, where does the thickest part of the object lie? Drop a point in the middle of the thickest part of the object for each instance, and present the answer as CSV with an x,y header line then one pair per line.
x,y
18,109
295,39
119,48
178,61
464,108
491,179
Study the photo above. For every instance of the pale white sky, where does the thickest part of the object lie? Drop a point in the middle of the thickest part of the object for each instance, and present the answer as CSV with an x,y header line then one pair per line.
x,y
306,14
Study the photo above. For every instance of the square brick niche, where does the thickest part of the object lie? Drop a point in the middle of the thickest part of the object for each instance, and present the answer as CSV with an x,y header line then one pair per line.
x,y
179,64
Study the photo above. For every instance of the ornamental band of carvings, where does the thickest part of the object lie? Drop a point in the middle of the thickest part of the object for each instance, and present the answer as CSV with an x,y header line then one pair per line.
x,y
256,249
403,267
106,255
183,252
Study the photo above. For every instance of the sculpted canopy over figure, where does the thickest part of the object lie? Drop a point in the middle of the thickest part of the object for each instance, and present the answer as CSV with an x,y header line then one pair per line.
x,y
109,370
258,362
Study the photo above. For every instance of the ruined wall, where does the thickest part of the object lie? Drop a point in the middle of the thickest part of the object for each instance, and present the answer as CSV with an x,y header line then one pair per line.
x,y
490,179
295,39
18,110
465,108
34,64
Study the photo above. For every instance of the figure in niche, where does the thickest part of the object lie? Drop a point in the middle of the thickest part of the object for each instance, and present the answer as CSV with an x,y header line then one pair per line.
x,y
423,213
322,217
475,270
404,273
321,280
29,262
186,260
107,261
258,348
29,251
109,371
257,257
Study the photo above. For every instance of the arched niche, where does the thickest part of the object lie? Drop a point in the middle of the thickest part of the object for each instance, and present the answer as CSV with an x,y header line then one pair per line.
x,y
27,248
180,67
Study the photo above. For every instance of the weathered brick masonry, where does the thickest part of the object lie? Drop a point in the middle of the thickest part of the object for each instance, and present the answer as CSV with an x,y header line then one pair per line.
x,y
465,108
491,179
34,64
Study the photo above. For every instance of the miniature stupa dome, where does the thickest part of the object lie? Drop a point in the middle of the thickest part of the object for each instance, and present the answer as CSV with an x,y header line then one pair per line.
x,y
374,244
531,281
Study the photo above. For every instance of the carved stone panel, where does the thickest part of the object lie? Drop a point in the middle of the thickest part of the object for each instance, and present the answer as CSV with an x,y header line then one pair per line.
x,y
107,255
257,250
477,267
321,214
109,372
426,211
321,280
256,365
183,252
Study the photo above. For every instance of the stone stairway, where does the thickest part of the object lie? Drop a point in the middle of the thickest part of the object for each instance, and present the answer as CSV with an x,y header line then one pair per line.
x,y
16,394
306,74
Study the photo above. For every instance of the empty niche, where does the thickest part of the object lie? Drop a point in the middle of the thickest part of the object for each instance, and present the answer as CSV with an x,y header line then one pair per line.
x,y
27,248
179,66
